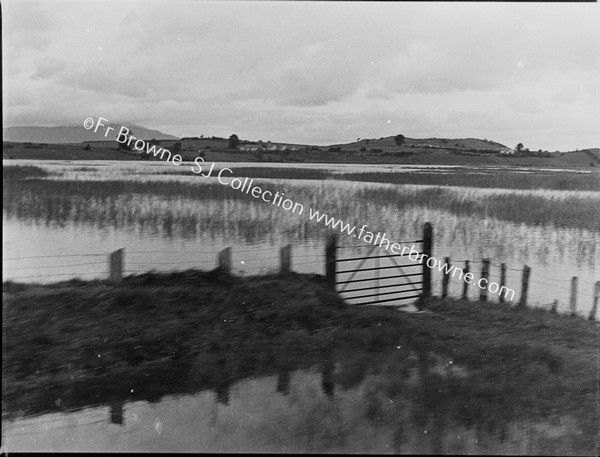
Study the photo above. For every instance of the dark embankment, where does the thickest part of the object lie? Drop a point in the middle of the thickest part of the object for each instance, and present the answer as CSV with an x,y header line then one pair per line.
x,y
75,344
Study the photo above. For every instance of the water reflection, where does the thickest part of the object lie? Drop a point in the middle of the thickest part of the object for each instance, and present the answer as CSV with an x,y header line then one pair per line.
x,y
116,413
283,382
327,383
415,402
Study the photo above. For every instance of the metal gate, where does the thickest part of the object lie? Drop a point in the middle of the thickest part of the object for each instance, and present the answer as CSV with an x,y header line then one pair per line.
x,y
377,276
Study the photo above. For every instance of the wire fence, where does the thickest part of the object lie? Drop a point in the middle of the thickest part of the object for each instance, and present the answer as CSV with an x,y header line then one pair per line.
x,y
568,293
50,268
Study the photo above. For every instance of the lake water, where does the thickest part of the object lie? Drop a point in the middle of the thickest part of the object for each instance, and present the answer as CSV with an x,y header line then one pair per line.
x,y
171,232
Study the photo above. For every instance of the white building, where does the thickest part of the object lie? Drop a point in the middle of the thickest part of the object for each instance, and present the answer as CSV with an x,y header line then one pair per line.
x,y
507,151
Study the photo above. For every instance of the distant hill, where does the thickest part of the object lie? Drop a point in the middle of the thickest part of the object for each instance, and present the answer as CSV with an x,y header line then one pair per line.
x,y
76,134
75,143
432,143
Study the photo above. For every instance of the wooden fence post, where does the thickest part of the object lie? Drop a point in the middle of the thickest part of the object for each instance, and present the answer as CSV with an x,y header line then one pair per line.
x,y
485,271
446,278
524,286
573,301
465,283
502,281
554,307
330,265
427,249
225,260
592,316
116,266
286,258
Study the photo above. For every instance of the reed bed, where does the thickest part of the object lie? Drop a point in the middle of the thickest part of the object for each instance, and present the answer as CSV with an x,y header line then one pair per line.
x,y
118,202
482,178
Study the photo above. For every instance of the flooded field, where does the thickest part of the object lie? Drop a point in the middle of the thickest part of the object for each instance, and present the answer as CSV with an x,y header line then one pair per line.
x,y
173,221
224,367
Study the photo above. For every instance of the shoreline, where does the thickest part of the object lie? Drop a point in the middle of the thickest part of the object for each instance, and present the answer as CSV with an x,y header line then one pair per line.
x,y
92,342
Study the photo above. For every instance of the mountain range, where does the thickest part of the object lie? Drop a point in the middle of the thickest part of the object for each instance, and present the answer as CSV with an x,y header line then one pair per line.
x,y
76,134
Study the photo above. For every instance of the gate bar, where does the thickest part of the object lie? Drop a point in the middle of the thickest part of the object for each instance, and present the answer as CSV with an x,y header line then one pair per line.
x,y
383,301
375,257
381,268
371,279
377,295
383,287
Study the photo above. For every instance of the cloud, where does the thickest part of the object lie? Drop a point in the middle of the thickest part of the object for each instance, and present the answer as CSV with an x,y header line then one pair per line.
x,y
318,72
49,68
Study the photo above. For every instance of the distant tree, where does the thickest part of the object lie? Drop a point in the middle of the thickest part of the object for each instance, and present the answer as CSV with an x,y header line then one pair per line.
x,y
399,140
87,147
234,141
176,148
519,147
124,145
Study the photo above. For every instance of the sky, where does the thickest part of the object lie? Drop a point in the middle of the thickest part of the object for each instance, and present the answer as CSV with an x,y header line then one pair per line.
x,y
309,72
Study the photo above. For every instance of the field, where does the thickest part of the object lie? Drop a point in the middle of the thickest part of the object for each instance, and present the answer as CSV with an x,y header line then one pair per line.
x,y
90,343
383,151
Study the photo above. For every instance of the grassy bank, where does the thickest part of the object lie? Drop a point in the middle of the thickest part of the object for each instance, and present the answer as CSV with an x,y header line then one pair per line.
x,y
91,343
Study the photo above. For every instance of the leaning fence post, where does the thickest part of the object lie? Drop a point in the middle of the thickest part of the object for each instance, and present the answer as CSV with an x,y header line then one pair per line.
x,y
524,286
446,278
225,260
330,260
466,284
502,281
573,296
116,265
595,301
427,249
286,258
485,271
